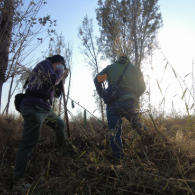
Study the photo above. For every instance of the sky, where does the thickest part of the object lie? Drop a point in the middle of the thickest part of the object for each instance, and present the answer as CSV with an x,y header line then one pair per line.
x,y
176,42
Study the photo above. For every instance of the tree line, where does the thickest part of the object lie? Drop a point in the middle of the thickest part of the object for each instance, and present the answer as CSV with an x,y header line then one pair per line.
x,y
125,26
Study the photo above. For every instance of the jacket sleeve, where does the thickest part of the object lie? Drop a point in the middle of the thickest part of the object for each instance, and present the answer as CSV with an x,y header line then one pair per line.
x,y
56,77
47,72
98,85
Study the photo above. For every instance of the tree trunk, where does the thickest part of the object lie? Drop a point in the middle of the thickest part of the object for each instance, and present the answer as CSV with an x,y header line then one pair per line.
x,y
59,111
135,42
1,86
9,96
124,38
149,105
113,53
102,109
65,111
135,32
5,38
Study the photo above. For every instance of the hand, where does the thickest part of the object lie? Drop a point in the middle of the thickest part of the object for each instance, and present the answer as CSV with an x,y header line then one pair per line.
x,y
60,67
65,75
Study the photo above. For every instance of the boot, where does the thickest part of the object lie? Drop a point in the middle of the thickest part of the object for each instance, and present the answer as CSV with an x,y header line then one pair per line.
x,y
20,186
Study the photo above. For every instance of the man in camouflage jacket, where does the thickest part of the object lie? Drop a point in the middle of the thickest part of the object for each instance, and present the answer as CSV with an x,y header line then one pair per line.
x,y
131,86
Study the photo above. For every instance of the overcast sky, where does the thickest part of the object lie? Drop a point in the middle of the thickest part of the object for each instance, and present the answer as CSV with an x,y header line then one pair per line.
x,y
176,40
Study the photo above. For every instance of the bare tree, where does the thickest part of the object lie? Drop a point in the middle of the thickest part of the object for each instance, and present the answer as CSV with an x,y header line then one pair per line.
x,y
24,27
89,47
6,21
132,25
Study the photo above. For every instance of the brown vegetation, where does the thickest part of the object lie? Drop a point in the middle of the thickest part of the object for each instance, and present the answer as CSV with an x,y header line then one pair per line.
x,y
153,165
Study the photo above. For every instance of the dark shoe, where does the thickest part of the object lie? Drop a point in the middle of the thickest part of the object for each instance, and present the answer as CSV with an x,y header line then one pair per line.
x,y
20,186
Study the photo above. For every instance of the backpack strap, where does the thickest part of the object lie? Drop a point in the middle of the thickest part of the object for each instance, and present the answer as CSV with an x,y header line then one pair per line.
x,y
126,65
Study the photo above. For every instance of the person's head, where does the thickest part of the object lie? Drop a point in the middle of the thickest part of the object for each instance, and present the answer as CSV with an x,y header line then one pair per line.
x,y
56,60
123,58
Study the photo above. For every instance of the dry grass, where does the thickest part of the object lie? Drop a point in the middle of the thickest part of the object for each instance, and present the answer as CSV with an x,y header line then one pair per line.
x,y
156,165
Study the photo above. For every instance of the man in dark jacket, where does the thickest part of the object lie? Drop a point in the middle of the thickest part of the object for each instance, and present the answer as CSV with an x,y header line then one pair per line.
x,y
45,82
131,86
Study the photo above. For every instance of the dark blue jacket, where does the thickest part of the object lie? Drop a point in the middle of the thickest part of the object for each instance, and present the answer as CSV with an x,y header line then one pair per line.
x,y
43,84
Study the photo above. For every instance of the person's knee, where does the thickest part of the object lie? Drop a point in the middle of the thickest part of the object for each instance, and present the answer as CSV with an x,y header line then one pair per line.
x,y
61,124
39,119
28,143
31,133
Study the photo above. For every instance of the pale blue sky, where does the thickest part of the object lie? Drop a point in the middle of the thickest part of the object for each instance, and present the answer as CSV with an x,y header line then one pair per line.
x,y
176,39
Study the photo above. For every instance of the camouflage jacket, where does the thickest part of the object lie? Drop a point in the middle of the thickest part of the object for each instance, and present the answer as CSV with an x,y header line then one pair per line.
x,y
131,85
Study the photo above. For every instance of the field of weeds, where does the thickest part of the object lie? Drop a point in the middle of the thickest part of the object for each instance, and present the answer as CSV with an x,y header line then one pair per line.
x,y
157,165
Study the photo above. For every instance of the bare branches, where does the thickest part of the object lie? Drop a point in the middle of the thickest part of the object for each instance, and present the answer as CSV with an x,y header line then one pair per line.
x,y
26,28
128,26
89,47
19,27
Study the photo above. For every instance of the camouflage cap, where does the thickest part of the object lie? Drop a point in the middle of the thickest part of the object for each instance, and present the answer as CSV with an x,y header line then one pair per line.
x,y
124,56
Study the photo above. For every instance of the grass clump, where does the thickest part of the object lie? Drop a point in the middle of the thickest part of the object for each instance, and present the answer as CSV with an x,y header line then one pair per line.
x,y
158,164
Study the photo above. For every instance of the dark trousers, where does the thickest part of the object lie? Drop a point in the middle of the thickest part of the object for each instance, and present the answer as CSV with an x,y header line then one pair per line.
x,y
34,117
115,112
